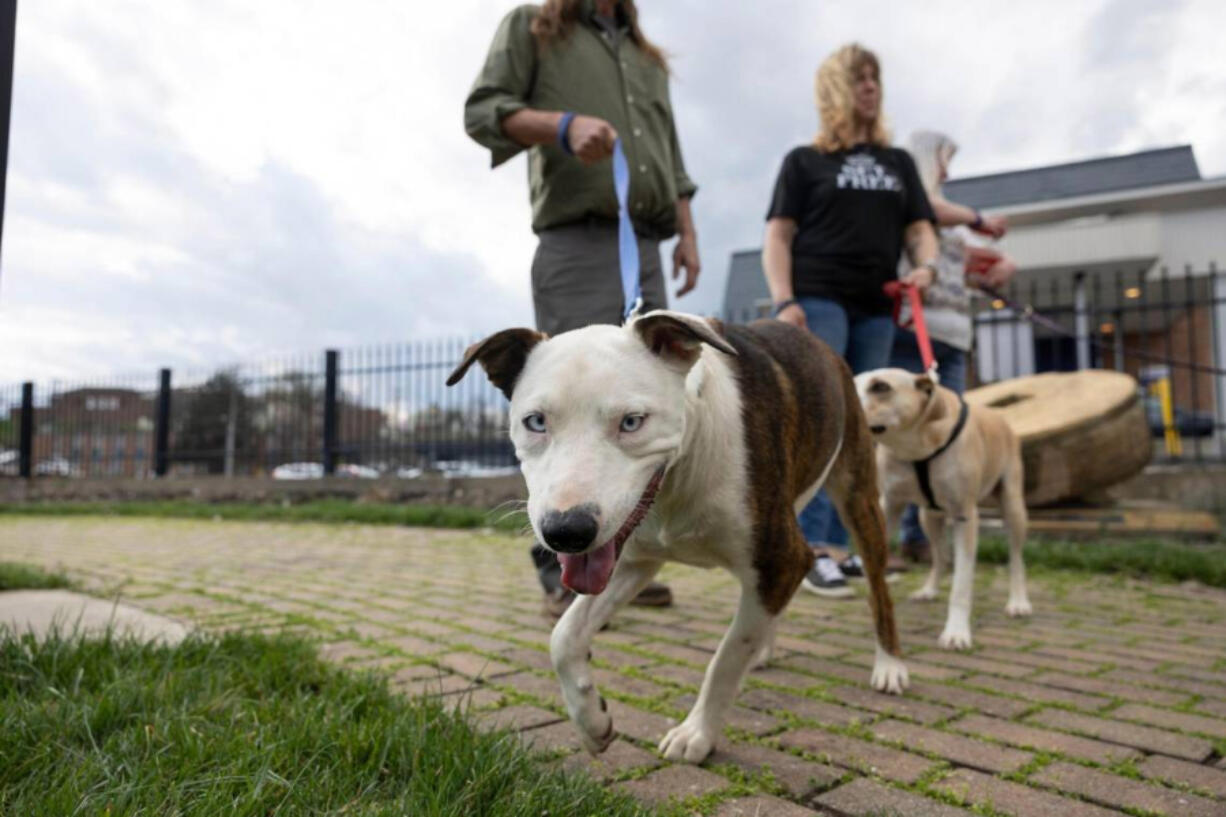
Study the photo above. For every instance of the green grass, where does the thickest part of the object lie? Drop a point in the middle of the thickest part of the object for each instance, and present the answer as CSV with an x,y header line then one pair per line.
x,y
249,725
1164,559
323,510
19,576
1150,558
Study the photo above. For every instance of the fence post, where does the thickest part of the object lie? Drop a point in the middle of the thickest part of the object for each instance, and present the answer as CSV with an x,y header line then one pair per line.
x,y
161,426
1081,321
331,364
1218,322
26,432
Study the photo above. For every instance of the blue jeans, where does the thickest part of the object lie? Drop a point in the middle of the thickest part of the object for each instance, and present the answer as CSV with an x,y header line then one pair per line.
x,y
951,368
864,341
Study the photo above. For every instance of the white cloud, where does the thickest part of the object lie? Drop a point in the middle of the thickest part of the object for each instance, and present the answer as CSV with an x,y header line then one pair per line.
x,y
192,183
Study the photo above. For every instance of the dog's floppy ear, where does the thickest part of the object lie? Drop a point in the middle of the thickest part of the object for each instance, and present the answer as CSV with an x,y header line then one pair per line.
x,y
502,355
924,383
679,337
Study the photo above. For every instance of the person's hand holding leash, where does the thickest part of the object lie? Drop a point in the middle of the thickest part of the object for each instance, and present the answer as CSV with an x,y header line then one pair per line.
x,y
685,256
1000,273
590,138
921,277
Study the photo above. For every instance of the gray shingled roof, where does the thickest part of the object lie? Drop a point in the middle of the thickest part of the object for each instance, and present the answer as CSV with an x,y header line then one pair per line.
x,y
1145,169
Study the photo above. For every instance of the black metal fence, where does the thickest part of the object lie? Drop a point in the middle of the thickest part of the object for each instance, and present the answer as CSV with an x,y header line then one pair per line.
x,y
1166,328
385,411
372,411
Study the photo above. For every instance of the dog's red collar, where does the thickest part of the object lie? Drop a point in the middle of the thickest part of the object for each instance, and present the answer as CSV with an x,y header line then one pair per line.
x,y
639,513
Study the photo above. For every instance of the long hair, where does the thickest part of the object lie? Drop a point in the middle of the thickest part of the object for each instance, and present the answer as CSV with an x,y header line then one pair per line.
x,y
930,150
836,79
557,18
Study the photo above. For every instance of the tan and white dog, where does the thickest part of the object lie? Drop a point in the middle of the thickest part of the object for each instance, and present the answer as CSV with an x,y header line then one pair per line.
x,y
946,457
675,438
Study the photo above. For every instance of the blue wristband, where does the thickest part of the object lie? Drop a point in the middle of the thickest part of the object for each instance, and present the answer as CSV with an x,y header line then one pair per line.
x,y
563,126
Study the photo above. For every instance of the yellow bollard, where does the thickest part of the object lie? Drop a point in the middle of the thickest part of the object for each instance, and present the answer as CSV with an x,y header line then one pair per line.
x,y
1162,389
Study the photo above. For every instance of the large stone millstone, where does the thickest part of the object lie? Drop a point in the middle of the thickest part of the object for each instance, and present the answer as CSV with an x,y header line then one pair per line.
x,y
1081,432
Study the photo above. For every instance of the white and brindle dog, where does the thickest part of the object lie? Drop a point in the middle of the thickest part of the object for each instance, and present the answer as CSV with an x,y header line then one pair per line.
x,y
675,438
946,456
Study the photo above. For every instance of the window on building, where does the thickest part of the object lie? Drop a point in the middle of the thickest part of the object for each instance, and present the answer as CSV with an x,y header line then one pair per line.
x,y
101,403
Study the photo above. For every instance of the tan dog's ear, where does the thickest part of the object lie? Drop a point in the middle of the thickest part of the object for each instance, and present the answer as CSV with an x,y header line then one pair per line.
x,y
925,384
678,337
502,355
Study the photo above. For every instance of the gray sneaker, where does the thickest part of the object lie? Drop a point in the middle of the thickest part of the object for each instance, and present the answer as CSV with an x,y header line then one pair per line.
x,y
825,579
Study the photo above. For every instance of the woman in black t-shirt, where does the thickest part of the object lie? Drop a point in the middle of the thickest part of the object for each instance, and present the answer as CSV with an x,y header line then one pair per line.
x,y
843,210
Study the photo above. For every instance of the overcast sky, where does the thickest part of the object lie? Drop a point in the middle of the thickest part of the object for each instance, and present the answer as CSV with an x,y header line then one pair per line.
x,y
195,183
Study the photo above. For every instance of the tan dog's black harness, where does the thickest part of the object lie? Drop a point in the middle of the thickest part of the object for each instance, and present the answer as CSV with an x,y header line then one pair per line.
x,y
921,466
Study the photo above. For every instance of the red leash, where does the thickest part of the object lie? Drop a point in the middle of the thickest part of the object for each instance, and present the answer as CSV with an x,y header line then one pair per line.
x,y
896,290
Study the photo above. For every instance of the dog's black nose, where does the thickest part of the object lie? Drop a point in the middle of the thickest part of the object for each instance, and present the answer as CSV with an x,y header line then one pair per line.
x,y
570,531
877,429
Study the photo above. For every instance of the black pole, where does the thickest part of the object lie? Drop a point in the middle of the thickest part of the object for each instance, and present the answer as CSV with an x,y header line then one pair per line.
x,y
161,426
331,364
8,36
26,431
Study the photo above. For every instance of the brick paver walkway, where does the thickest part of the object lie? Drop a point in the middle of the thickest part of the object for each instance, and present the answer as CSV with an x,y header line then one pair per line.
x,y
1111,699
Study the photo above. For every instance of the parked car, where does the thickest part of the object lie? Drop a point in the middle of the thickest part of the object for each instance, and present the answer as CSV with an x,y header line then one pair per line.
x,y
408,473
350,469
467,468
1187,423
298,470
56,467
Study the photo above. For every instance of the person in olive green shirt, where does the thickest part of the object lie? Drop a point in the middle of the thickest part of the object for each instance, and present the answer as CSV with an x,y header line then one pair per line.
x,y
587,58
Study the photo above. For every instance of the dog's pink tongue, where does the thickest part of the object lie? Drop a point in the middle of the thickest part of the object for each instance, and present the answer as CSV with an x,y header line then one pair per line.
x,y
588,572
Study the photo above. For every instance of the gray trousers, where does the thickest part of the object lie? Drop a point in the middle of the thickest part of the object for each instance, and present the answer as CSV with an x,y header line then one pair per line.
x,y
576,281
576,278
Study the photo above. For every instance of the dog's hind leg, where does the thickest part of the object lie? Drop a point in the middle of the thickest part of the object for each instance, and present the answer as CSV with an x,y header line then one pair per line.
x,y
957,633
570,649
694,738
933,524
1013,509
853,487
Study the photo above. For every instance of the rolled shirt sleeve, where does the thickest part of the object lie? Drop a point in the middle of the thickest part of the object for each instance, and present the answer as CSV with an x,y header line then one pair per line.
x,y
503,85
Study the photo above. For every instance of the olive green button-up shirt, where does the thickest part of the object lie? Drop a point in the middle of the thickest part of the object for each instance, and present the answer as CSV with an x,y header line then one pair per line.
x,y
588,73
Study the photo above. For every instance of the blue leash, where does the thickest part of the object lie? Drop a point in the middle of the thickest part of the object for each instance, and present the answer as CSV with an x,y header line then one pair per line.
x,y
627,244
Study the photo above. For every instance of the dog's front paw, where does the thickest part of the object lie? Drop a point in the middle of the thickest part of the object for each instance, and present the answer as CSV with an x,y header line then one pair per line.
x,y
955,637
925,593
889,673
596,730
690,741
1018,607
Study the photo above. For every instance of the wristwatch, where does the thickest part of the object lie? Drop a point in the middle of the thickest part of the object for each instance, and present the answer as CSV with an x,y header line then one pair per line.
x,y
931,265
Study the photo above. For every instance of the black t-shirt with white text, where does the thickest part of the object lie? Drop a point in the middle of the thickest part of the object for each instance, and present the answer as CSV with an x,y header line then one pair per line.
x,y
851,208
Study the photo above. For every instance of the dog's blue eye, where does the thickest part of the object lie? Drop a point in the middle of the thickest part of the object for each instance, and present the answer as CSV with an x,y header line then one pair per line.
x,y
535,422
632,422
